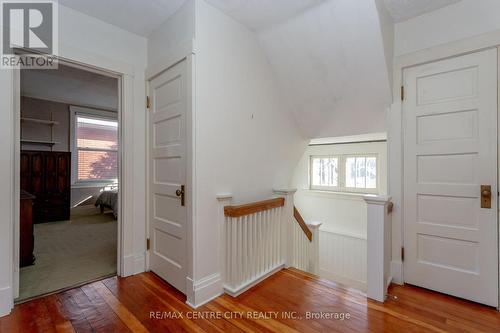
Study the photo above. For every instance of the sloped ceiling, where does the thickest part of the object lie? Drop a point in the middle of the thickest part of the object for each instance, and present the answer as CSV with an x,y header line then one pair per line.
x,y
137,16
262,14
330,64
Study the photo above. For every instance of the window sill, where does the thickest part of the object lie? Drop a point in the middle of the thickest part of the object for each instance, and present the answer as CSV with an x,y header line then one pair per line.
x,y
339,195
92,185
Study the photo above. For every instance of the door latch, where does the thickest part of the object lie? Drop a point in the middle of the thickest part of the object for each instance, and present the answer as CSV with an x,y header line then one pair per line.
x,y
181,193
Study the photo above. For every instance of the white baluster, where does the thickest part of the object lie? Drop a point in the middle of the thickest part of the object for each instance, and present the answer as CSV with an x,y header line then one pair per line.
x,y
269,239
245,248
278,236
234,247
229,252
273,253
253,246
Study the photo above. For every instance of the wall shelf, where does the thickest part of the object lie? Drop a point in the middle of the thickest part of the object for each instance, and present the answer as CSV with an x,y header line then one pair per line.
x,y
39,121
39,142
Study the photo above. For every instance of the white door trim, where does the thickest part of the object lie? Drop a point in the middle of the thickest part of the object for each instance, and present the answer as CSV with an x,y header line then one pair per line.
x,y
125,217
396,134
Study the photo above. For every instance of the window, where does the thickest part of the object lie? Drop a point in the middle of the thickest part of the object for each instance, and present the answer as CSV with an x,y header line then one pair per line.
x,y
96,148
344,173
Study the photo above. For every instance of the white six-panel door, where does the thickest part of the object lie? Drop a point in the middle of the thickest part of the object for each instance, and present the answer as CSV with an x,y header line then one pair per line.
x,y
450,150
167,174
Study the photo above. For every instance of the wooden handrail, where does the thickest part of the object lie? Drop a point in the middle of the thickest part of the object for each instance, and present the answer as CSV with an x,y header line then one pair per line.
x,y
252,208
302,224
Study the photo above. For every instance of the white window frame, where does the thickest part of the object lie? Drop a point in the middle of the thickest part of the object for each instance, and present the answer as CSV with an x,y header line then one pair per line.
x,y
342,158
76,111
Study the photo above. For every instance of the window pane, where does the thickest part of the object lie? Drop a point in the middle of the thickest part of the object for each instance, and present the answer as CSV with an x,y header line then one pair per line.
x,y
96,133
325,171
360,172
316,171
371,172
97,165
350,170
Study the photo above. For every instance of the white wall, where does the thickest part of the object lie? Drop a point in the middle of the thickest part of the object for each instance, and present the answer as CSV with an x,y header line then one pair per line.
x,y
87,40
464,19
387,31
174,32
246,140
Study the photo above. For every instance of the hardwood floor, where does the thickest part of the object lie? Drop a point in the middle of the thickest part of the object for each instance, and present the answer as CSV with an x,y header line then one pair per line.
x,y
144,303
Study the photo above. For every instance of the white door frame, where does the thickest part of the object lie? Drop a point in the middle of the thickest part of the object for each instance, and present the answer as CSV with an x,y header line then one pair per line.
x,y
184,52
395,121
123,232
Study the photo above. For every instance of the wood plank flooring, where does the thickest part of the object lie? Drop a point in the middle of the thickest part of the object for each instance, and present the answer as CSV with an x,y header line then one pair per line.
x,y
284,302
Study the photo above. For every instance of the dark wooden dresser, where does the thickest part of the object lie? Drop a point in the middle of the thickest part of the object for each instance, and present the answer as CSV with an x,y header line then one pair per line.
x,y
27,242
47,176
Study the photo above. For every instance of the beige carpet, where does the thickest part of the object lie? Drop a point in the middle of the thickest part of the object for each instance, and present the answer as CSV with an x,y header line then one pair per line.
x,y
71,252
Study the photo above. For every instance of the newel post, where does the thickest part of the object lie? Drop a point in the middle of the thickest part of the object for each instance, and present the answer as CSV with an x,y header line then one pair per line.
x,y
314,247
222,201
286,224
378,246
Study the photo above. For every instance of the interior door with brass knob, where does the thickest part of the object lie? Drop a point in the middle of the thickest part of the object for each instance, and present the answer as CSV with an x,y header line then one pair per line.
x,y
450,169
167,174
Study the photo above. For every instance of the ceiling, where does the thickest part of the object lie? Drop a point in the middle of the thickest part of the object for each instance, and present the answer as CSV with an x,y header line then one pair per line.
x,y
330,66
144,16
72,86
262,14
138,16
402,10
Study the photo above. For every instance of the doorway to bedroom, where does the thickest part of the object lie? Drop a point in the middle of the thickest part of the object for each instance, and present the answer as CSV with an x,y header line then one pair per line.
x,y
69,170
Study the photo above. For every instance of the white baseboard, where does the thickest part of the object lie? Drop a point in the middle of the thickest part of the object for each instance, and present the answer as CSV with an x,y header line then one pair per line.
x,y
140,263
6,301
128,265
344,280
133,264
204,290
397,272
244,287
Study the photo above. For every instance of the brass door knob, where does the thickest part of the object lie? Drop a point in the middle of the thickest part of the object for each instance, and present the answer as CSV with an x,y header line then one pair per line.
x,y
485,196
180,193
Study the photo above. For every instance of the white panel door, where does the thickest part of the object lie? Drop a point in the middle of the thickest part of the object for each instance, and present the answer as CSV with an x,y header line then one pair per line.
x,y
450,142
167,175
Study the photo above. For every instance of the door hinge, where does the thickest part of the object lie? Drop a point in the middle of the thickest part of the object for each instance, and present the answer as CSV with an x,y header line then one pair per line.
x,y
148,244
148,102
402,93
402,254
